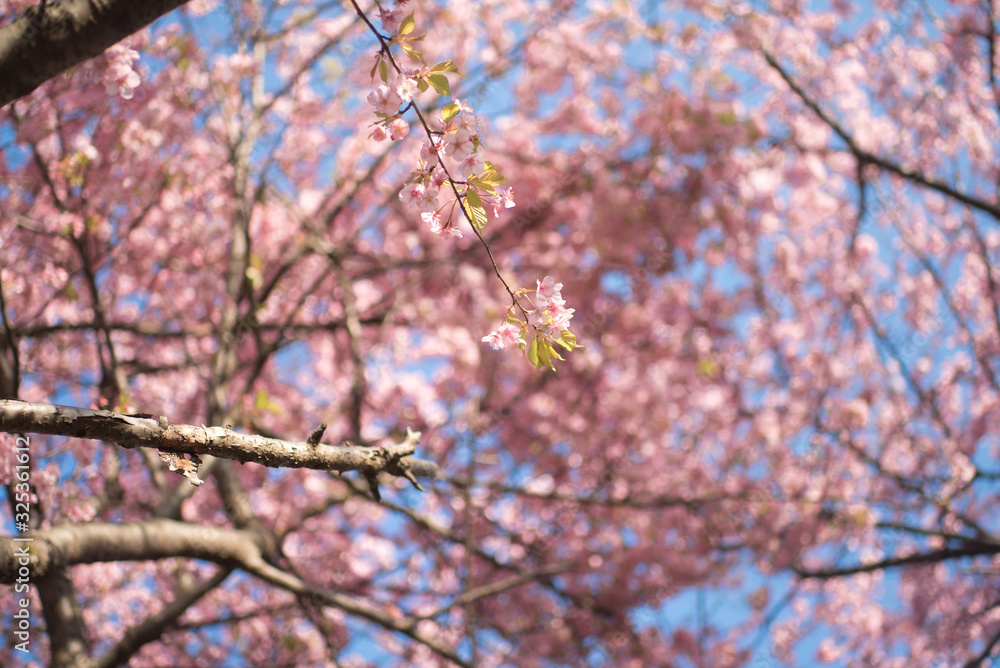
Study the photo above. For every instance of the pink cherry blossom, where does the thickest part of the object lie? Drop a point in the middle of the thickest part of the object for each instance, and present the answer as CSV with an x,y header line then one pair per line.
x,y
548,293
385,100
438,177
458,142
83,145
390,19
507,196
399,129
445,229
505,199
121,78
470,164
561,318
407,89
419,196
413,194
432,217
505,336
429,152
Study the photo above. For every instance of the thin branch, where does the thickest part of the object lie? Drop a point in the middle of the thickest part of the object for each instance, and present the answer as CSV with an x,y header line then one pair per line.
x,y
949,300
494,588
385,48
255,565
892,526
971,550
158,330
598,500
10,365
359,384
153,627
985,654
911,175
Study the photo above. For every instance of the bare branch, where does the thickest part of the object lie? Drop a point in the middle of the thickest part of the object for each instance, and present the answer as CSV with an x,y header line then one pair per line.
x,y
502,585
132,431
71,544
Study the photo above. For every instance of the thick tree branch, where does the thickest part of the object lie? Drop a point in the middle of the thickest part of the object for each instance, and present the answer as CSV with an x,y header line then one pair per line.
x,y
132,431
63,546
49,38
71,544
63,617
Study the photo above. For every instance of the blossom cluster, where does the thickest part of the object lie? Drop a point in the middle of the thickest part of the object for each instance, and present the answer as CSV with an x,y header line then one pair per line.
x,y
120,78
454,134
550,315
506,336
550,320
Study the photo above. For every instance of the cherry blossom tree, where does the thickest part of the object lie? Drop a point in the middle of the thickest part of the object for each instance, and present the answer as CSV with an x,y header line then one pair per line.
x,y
273,392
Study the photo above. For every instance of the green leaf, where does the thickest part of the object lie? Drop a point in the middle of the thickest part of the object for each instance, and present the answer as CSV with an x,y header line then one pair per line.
x,y
255,277
440,83
707,367
411,52
568,340
422,85
407,26
263,402
728,118
443,66
544,354
333,69
449,112
383,70
533,352
492,177
473,205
